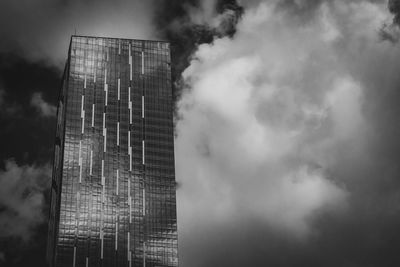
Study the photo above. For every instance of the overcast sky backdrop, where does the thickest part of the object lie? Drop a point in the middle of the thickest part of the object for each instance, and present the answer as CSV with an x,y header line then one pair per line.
x,y
287,125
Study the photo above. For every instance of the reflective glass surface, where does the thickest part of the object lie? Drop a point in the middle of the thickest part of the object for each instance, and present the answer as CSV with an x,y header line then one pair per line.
x,y
113,190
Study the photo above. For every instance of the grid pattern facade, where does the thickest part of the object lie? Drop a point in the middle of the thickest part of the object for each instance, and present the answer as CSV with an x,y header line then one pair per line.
x,y
113,199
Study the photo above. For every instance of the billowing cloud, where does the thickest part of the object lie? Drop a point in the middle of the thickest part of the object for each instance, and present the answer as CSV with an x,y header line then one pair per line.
x,y
45,109
274,126
255,119
22,199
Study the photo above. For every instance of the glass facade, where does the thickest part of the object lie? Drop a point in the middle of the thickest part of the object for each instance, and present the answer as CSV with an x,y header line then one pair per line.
x,y
113,199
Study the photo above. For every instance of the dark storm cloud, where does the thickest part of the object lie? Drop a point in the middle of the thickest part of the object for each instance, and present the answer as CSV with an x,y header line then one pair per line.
x,y
25,135
23,213
394,8
22,199
187,24
390,31
26,141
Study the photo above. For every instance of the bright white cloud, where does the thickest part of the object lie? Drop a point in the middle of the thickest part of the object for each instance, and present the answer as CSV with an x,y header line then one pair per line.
x,y
264,115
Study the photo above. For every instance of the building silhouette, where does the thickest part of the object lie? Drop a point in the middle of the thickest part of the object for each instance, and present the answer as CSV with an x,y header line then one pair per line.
x,y
113,199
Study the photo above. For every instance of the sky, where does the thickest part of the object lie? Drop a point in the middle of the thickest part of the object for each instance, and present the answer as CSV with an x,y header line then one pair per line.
x,y
286,125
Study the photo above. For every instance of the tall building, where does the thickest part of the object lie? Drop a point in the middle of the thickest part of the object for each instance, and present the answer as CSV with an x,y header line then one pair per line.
x,y
113,199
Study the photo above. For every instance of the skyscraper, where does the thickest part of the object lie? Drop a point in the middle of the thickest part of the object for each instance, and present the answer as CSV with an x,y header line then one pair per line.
x,y
113,199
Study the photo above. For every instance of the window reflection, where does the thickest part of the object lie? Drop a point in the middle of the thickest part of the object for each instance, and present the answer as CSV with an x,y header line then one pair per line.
x,y
90,221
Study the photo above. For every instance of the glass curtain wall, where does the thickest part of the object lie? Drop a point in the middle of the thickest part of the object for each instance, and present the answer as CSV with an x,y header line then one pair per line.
x,y
113,190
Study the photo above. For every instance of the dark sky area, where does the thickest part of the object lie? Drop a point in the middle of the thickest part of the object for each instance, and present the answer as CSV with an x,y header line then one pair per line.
x,y
286,120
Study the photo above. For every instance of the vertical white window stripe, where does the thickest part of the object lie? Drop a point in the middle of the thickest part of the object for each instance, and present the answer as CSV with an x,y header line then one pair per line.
x,y
77,212
130,158
105,76
142,106
144,202
102,171
129,201
130,105
130,63
83,114
117,182
129,49
91,163
142,62
117,133
87,262
104,120
74,258
84,82
93,115
143,151
83,122
130,112
106,94
130,68
129,141
82,105
119,47
80,162
119,88
105,140
130,208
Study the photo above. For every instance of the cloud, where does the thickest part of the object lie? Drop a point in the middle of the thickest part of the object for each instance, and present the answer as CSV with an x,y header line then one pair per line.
x,y
187,24
390,30
394,8
40,30
255,118
275,134
22,199
45,109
